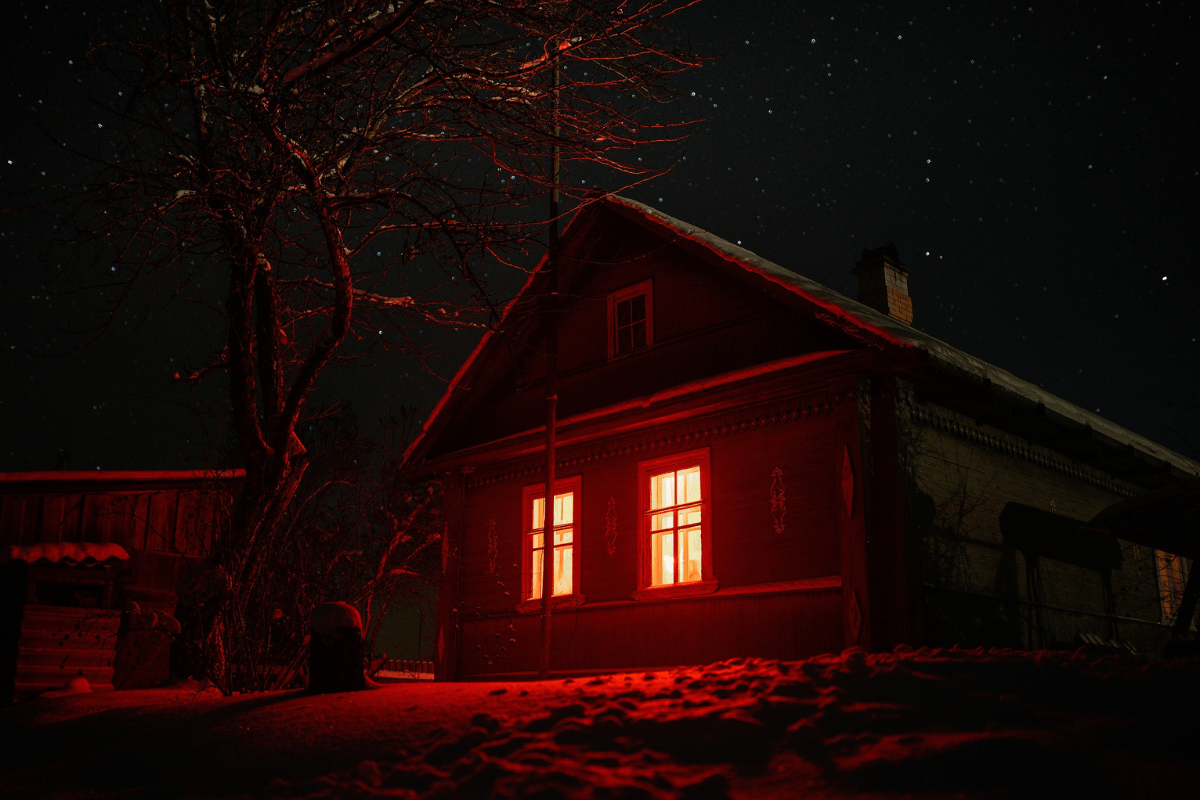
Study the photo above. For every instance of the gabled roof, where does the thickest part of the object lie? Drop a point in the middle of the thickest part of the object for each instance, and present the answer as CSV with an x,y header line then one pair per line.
x,y
864,323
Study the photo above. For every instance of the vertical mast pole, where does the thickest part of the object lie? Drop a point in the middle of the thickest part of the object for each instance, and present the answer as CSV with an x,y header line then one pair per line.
x,y
551,401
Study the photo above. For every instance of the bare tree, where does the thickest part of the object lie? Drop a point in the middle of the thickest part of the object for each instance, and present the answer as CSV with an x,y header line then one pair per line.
x,y
320,151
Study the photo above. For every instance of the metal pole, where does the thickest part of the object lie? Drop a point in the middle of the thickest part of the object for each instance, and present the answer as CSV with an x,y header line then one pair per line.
x,y
551,404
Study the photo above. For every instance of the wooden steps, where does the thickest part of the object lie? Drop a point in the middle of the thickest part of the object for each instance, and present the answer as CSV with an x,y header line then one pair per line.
x,y
58,644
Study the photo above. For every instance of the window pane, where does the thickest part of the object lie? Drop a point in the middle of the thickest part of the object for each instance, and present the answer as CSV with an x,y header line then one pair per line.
x,y
638,308
563,536
624,312
564,509
689,485
563,572
662,554
537,540
539,513
662,522
638,335
535,575
624,342
690,552
689,516
662,490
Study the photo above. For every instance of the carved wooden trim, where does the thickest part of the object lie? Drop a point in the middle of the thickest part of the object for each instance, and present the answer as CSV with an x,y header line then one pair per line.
x,y
848,481
610,526
562,601
778,500
493,546
943,419
676,590
694,433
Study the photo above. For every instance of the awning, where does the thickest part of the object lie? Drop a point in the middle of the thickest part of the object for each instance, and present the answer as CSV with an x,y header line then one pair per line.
x,y
86,553
1167,519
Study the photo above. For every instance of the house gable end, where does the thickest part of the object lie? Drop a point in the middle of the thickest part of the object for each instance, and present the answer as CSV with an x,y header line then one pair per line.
x,y
707,320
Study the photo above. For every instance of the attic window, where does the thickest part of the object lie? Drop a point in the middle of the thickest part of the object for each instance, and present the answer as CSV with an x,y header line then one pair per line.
x,y
631,319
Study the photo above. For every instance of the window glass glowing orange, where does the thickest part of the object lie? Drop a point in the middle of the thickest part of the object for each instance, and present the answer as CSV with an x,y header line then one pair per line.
x,y
564,537
675,538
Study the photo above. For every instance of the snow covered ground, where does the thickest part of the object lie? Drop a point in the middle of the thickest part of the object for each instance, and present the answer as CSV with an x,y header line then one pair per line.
x,y
929,723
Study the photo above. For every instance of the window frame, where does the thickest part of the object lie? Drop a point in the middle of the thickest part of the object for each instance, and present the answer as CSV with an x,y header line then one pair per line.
x,y
646,469
1172,573
646,288
574,484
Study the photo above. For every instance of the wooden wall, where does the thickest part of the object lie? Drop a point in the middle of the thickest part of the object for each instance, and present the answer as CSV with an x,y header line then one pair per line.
x,y
661,633
706,322
614,630
979,589
170,521
160,528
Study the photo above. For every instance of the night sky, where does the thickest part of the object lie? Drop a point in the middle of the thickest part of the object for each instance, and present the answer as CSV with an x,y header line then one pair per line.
x,y
1036,167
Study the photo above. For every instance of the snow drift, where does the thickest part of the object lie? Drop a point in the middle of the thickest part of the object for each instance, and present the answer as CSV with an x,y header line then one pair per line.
x,y
989,724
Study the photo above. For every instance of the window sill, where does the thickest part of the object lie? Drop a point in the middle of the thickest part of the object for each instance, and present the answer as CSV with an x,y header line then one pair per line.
x,y
676,590
556,603
629,354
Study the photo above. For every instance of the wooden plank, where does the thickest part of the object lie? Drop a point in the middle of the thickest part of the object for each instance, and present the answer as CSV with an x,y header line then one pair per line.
x,y
160,526
52,519
72,524
141,516
122,522
187,523
94,517
12,510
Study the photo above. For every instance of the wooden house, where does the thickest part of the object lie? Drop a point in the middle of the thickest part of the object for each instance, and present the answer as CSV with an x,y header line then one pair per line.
x,y
751,464
76,547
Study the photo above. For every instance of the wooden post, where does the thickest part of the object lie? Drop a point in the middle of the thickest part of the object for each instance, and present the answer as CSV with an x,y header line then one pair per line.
x,y
551,409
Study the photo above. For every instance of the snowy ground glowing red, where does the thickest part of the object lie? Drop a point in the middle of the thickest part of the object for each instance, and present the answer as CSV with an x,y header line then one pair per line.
x,y
930,723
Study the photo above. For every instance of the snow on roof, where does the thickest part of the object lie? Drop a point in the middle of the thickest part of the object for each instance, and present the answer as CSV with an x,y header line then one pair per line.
x,y
120,475
69,552
940,353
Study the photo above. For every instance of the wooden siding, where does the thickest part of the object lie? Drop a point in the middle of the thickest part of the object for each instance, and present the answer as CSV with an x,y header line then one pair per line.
x,y
177,521
161,529
698,308
648,634
746,549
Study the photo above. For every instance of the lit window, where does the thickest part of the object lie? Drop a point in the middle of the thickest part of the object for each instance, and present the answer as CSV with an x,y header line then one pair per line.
x,y
630,319
675,520
1172,578
566,514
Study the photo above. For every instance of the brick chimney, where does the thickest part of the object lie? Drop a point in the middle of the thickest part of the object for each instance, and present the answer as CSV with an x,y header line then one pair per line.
x,y
883,282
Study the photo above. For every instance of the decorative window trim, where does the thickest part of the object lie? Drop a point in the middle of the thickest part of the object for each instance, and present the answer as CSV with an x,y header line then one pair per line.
x,y
557,603
610,526
646,288
778,500
677,590
573,484
493,545
646,469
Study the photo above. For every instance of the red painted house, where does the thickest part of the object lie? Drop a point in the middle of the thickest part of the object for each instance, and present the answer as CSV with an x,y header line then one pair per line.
x,y
76,547
751,464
